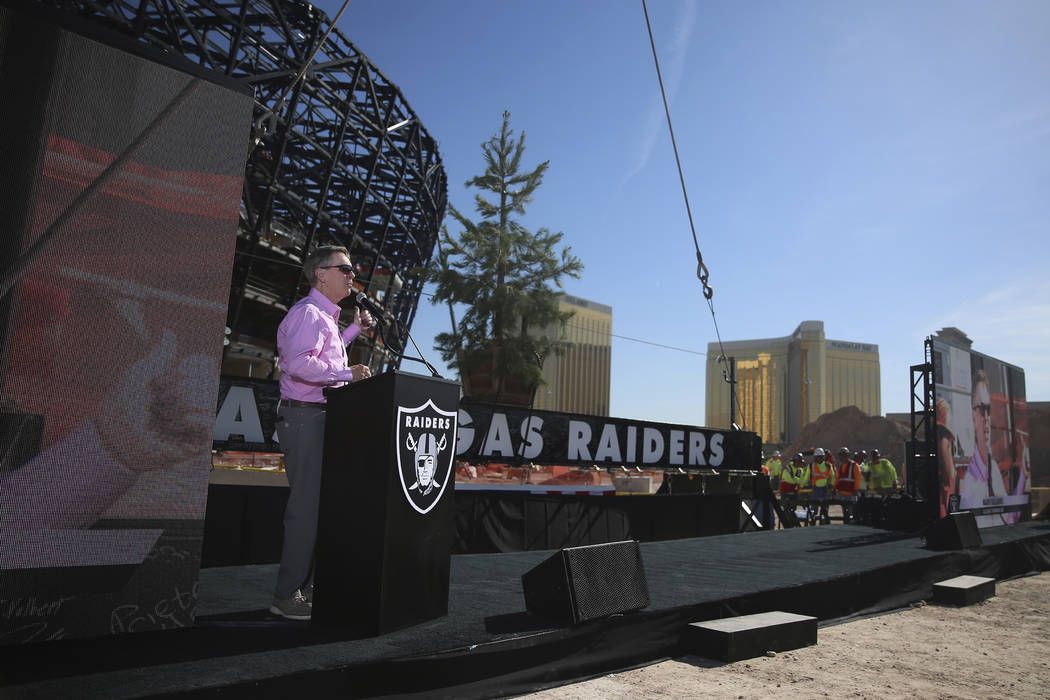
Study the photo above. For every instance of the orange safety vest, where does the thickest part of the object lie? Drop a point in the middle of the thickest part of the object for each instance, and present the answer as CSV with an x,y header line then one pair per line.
x,y
821,473
849,475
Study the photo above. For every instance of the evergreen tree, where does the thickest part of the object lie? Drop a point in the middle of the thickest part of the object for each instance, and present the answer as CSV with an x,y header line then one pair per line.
x,y
504,274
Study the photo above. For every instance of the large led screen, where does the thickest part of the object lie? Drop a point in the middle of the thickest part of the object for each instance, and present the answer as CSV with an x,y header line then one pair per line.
x,y
983,451
120,191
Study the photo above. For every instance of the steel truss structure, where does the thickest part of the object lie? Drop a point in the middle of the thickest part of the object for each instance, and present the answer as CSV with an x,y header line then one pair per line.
x,y
923,480
336,158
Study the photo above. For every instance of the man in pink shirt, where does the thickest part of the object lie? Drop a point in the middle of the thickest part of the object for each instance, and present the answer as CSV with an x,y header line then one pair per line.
x,y
311,355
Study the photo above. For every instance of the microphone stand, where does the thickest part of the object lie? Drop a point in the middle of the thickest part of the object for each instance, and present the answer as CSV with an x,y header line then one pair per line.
x,y
380,322
433,372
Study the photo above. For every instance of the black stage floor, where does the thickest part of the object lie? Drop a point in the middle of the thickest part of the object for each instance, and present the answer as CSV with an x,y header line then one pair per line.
x,y
488,645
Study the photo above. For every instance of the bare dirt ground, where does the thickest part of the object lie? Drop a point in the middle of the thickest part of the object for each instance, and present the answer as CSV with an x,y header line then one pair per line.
x,y
999,648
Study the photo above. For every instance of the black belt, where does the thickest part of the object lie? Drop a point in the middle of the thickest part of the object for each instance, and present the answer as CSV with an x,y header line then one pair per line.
x,y
301,404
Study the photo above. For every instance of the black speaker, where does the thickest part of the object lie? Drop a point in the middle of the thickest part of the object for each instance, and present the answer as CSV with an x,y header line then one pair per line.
x,y
954,531
903,512
869,510
584,583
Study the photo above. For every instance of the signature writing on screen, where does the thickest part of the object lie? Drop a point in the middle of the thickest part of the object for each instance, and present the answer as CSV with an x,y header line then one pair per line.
x,y
32,607
165,613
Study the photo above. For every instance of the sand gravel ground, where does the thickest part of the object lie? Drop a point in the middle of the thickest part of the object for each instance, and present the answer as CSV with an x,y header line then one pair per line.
x,y
999,648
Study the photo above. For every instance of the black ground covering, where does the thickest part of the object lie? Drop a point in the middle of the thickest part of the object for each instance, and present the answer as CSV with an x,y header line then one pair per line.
x,y
488,645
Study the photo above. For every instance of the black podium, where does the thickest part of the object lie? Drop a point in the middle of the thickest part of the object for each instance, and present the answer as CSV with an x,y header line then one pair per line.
x,y
386,519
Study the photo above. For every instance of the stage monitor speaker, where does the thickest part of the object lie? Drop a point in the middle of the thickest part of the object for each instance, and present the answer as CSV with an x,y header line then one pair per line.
x,y
903,512
954,531
585,583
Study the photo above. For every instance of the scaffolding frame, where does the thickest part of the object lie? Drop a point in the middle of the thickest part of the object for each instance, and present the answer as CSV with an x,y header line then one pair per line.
x,y
923,479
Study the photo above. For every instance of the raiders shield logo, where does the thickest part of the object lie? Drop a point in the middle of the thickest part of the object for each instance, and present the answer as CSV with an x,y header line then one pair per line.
x,y
426,440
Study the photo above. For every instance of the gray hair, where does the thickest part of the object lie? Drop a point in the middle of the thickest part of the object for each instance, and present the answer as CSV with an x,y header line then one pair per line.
x,y
317,257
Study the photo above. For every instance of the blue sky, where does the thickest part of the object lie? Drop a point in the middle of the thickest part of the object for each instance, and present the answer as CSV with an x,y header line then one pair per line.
x,y
882,167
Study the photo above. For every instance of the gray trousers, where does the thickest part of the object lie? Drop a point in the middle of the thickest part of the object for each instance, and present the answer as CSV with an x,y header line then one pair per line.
x,y
301,432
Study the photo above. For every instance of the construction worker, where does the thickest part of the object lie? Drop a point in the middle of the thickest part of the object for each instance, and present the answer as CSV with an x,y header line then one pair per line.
x,y
772,469
862,510
804,487
790,479
823,480
847,482
861,458
882,474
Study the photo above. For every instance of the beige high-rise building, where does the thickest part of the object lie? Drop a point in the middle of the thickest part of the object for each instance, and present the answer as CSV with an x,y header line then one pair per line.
x,y
785,383
578,381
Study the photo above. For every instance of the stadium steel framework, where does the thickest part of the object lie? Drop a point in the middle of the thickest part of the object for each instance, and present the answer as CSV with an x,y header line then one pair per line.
x,y
338,157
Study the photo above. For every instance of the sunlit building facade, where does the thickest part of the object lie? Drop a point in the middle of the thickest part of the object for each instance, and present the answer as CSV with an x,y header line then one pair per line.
x,y
785,383
578,381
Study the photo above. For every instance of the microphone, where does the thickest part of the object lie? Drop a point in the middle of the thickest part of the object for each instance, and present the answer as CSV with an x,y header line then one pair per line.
x,y
368,305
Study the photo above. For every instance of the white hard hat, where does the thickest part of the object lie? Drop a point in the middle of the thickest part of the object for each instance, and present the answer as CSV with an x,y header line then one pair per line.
x,y
819,452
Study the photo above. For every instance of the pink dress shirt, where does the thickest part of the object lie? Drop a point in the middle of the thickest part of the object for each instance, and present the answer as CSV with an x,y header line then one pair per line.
x,y
311,351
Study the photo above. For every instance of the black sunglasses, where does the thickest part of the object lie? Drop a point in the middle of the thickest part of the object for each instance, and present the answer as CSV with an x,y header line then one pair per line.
x,y
345,269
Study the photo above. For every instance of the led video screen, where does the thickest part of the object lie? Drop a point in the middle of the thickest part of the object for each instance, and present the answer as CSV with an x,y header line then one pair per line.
x,y
983,455
121,190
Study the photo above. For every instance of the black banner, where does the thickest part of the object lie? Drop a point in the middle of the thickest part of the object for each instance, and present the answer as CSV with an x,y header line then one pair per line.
x,y
498,433
246,409
245,415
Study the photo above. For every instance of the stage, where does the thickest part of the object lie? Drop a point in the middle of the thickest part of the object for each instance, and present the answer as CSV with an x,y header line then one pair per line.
x,y
488,645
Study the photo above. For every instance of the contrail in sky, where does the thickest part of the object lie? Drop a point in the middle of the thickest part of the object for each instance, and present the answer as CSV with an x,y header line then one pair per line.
x,y
655,123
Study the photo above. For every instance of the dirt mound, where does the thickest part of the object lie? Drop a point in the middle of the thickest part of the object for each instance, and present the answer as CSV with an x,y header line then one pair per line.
x,y
853,428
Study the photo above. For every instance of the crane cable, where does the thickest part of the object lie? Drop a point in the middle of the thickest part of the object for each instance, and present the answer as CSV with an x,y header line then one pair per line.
x,y
702,273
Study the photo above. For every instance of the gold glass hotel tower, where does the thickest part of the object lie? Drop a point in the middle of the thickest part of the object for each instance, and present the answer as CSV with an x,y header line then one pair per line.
x,y
578,380
785,383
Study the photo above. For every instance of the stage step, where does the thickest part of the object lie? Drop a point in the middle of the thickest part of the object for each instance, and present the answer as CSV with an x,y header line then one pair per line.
x,y
748,636
964,590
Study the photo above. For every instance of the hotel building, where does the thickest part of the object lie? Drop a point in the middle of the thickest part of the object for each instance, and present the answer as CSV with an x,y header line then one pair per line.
x,y
785,383
578,381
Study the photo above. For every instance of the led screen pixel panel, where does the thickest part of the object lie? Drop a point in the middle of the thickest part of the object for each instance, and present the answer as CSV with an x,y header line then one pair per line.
x,y
983,455
121,189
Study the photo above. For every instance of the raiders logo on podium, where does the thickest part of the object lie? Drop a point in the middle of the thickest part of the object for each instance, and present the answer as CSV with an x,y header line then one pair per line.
x,y
426,437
